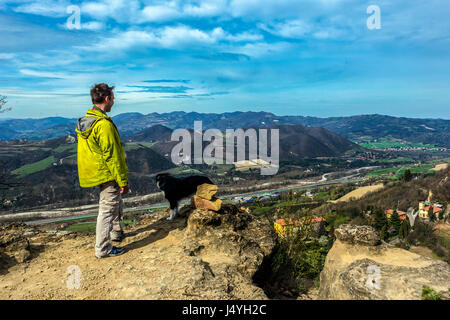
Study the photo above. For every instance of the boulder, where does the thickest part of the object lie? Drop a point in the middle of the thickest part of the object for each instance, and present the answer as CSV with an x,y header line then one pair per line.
x,y
355,269
232,244
206,191
14,246
363,235
200,203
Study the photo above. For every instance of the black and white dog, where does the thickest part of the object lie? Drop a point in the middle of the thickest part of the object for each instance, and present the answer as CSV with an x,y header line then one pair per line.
x,y
176,189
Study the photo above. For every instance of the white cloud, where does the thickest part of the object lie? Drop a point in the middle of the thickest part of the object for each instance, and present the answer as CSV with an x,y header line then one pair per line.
x,y
96,9
159,13
172,37
48,8
329,33
208,8
122,11
220,34
260,49
288,29
93,26
43,74
7,56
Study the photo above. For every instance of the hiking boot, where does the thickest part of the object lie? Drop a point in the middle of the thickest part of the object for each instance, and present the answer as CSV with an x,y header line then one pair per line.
x,y
115,251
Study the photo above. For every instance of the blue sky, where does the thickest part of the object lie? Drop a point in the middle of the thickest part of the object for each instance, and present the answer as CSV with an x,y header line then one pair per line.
x,y
304,57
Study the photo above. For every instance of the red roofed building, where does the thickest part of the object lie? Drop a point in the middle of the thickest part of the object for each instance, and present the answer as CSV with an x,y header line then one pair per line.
x,y
280,225
401,214
424,208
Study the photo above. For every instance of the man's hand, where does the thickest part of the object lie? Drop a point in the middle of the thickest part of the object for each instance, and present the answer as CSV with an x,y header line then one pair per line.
x,y
124,190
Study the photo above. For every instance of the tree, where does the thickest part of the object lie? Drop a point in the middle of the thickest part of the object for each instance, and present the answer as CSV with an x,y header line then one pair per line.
x,y
4,183
405,228
431,215
381,224
380,220
407,176
395,221
384,233
441,215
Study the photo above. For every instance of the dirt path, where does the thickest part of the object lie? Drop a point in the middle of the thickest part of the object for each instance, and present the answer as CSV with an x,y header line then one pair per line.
x,y
441,166
359,193
129,276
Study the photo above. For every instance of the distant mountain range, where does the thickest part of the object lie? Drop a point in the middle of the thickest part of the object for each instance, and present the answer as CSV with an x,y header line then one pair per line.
x,y
296,141
48,168
428,131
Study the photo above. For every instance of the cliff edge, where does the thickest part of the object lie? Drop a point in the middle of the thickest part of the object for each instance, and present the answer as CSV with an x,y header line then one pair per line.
x,y
203,255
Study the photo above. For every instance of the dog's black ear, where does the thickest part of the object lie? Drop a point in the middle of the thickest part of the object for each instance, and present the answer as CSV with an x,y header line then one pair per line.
x,y
161,180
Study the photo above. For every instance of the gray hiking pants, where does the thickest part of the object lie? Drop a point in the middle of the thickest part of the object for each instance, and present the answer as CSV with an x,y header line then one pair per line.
x,y
110,213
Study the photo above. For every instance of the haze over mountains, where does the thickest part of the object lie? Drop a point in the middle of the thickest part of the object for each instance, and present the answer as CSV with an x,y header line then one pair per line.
x,y
429,131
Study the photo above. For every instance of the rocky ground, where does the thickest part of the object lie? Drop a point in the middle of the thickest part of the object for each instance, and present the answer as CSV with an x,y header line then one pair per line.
x,y
359,267
203,255
207,255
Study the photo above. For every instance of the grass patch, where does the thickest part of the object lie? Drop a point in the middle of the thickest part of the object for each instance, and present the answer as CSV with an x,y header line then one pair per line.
x,y
62,148
399,171
261,210
383,143
83,227
399,159
89,227
34,167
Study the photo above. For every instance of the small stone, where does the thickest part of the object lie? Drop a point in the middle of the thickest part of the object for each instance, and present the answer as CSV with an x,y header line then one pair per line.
x,y
29,233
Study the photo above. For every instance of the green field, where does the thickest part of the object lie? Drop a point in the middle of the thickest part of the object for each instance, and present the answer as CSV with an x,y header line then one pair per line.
x,y
384,143
397,160
34,167
60,149
399,171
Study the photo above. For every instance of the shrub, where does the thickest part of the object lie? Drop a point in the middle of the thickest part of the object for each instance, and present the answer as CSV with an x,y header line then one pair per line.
x,y
430,294
423,233
300,254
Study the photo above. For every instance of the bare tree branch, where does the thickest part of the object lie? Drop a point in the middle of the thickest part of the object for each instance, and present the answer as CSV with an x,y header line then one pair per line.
x,y
3,102
4,176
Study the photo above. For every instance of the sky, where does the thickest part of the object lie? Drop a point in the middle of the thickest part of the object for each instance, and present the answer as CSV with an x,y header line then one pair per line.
x,y
307,57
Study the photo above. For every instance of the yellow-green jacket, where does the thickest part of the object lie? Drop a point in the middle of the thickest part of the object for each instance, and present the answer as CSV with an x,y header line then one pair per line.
x,y
101,156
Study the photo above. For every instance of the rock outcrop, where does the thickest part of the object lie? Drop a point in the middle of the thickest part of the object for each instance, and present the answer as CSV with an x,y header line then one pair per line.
x,y
199,255
14,245
357,268
231,245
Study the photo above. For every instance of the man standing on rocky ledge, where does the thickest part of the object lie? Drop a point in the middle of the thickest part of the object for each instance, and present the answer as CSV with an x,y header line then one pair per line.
x,y
102,162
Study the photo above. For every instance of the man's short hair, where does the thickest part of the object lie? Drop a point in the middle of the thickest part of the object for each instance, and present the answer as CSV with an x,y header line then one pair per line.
x,y
100,91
